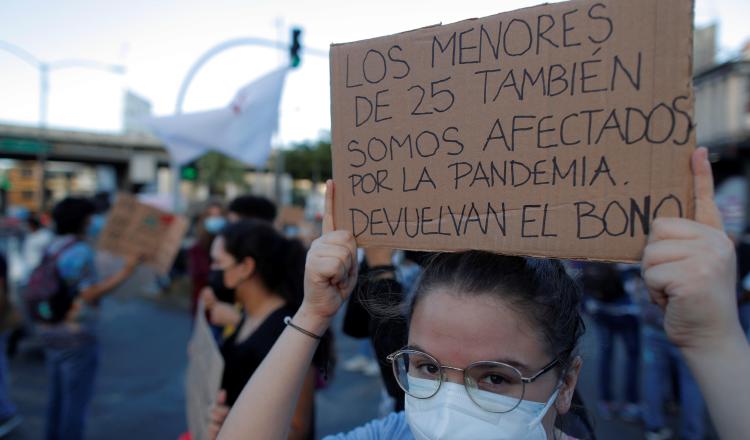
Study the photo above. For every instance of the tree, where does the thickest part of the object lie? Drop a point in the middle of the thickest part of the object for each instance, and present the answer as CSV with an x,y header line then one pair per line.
x,y
217,170
309,161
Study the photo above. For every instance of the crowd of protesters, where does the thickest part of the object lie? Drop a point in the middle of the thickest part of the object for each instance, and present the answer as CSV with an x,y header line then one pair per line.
x,y
468,345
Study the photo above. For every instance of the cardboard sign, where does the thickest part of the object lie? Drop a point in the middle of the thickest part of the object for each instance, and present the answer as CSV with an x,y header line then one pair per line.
x,y
290,216
204,373
134,228
560,130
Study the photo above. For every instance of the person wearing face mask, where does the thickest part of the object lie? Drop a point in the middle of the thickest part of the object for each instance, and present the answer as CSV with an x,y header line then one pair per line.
x,y
214,219
483,361
223,311
266,271
208,226
526,306
219,299
491,348
99,219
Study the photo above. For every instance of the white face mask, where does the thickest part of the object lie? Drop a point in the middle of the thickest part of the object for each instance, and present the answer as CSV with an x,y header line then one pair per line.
x,y
451,415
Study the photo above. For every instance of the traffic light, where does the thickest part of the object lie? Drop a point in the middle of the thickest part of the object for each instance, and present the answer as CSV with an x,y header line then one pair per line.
x,y
189,172
294,50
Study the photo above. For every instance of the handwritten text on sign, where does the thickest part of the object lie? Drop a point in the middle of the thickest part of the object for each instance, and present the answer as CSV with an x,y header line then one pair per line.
x,y
136,229
560,130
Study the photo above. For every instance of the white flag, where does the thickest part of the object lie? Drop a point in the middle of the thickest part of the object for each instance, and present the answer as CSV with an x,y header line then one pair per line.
x,y
243,130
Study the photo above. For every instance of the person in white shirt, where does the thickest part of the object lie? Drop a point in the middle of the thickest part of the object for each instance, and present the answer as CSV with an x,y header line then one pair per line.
x,y
35,244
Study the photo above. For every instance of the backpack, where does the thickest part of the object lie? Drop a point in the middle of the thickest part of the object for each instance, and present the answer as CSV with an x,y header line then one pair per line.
x,y
47,297
602,281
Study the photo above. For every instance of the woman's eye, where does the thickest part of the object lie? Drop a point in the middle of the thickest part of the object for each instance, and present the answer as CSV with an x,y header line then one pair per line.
x,y
430,369
493,379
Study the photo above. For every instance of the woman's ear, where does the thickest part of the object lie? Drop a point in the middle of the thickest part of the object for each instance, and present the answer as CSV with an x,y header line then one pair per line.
x,y
569,382
248,267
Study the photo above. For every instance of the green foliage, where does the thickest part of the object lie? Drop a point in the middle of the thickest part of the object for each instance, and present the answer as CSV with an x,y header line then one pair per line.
x,y
309,161
216,170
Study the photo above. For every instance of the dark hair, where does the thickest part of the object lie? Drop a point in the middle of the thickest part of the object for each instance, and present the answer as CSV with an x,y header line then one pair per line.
x,y
418,257
34,222
540,289
280,263
101,202
250,206
70,215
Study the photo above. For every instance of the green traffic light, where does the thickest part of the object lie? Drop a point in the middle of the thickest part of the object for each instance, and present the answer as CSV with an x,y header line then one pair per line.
x,y
294,48
189,173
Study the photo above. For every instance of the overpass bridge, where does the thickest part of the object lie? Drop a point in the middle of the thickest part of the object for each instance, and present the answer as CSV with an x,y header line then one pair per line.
x,y
31,142
42,152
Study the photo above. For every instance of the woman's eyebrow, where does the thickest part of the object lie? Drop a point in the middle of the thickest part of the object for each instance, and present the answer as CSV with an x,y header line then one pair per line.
x,y
512,362
415,347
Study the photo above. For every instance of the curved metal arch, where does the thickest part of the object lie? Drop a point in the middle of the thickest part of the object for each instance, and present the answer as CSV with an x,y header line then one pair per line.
x,y
246,41
20,53
229,44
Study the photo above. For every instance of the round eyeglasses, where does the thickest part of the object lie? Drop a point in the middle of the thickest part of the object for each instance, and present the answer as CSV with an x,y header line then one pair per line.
x,y
494,386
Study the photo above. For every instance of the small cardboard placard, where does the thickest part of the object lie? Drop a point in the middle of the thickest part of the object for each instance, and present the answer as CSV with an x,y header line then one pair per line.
x,y
136,229
290,215
204,373
560,130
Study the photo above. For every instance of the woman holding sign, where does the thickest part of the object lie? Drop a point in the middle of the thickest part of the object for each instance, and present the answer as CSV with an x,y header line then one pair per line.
x,y
493,339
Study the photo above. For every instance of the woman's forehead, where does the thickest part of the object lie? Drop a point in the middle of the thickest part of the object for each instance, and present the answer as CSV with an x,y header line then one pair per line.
x,y
461,329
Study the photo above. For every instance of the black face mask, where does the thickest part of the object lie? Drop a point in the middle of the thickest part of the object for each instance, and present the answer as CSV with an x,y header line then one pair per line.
x,y
216,283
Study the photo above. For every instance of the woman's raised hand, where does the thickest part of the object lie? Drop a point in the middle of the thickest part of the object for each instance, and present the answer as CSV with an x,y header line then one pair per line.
x,y
331,268
690,270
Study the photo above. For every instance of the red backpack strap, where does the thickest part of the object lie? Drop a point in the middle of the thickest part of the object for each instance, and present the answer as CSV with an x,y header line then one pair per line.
x,y
63,248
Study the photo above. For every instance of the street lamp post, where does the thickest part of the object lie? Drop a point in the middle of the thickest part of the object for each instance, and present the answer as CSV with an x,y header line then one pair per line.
x,y
44,68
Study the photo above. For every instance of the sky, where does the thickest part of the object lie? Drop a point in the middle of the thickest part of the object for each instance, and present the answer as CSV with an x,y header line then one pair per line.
x,y
158,42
